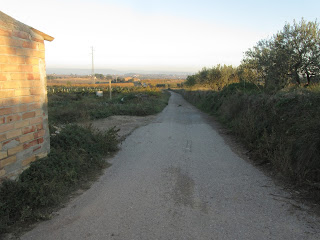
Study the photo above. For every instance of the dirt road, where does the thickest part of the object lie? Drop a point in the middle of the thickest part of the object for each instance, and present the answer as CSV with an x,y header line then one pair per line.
x,y
176,178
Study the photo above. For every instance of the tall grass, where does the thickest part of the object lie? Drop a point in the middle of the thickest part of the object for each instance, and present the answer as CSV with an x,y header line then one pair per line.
x,y
76,156
65,107
282,129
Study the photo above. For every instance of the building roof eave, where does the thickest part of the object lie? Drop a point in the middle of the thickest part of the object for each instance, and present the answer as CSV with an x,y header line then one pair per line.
x,y
45,36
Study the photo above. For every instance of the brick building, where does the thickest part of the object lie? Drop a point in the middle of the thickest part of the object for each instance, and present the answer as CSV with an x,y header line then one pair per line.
x,y
24,133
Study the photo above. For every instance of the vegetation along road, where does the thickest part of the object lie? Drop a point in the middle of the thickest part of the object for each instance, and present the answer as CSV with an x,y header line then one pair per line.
x,y
176,178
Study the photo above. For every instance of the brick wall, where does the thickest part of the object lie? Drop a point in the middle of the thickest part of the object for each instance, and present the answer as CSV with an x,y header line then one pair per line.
x,y
24,133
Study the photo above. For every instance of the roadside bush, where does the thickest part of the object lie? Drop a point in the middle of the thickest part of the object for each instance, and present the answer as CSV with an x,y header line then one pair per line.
x,y
282,129
76,156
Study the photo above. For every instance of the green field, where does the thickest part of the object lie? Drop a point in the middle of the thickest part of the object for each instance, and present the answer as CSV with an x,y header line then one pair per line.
x,y
82,104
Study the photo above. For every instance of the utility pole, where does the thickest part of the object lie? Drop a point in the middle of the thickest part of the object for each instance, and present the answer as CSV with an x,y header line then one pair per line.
x,y
92,70
110,90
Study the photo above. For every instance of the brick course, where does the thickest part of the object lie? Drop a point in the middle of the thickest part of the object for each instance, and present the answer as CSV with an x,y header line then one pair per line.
x,y
24,133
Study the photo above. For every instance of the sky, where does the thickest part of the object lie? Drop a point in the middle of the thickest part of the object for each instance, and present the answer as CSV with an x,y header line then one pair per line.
x,y
155,35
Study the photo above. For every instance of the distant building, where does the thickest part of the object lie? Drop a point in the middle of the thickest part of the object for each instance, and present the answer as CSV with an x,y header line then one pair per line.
x,y
131,79
24,131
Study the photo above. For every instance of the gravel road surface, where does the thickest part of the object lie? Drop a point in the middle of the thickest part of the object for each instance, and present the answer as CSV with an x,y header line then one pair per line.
x,y
176,178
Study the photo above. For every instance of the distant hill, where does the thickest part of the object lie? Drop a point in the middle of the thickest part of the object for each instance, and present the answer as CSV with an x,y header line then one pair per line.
x,y
79,71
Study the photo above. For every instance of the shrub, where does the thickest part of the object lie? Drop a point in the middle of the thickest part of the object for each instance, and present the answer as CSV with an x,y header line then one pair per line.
x,y
281,129
76,155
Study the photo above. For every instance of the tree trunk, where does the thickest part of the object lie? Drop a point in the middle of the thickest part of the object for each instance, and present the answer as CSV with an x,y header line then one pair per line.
x,y
308,78
296,76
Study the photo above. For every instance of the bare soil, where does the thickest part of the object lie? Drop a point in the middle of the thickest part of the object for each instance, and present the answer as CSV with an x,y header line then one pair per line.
x,y
126,124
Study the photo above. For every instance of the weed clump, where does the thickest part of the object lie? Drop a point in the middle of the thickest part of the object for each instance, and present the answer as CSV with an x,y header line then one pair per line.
x,y
76,156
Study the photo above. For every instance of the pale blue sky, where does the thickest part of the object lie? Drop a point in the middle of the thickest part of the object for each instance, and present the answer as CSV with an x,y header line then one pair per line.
x,y
253,14
155,35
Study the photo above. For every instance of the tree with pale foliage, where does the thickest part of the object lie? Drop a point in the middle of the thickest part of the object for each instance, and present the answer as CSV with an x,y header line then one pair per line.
x,y
216,77
302,42
289,56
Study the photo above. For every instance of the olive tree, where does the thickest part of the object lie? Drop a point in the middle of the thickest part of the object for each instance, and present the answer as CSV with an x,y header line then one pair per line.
x,y
302,42
289,55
